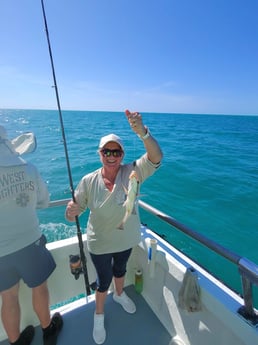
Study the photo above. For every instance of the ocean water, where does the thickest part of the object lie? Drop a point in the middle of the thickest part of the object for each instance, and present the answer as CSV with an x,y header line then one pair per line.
x,y
208,179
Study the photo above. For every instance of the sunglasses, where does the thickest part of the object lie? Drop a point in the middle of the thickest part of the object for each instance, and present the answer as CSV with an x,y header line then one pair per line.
x,y
114,153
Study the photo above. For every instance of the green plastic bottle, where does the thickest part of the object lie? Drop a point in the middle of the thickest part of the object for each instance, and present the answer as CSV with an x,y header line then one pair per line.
x,y
138,281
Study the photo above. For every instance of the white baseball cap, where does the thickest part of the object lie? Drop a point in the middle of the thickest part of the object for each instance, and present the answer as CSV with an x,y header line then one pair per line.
x,y
111,138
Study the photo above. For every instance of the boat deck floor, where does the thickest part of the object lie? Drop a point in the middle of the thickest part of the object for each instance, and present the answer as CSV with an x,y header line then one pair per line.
x,y
140,328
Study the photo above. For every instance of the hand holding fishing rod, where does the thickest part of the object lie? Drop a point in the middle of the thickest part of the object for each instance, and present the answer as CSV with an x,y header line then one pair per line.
x,y
72,210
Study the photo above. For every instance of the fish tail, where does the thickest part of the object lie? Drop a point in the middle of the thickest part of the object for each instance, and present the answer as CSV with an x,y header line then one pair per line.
x,y
121,226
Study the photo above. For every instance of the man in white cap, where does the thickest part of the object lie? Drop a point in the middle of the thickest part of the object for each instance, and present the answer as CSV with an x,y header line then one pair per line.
x,y
113,229
23,254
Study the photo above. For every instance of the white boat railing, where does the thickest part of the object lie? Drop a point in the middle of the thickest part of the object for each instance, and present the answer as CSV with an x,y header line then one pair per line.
x,y
248,270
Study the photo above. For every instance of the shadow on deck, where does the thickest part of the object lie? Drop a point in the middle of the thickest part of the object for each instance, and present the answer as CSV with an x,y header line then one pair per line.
x,y
143,327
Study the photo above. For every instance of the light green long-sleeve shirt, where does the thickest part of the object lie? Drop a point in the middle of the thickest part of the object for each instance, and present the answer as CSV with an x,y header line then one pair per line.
x,y
107,210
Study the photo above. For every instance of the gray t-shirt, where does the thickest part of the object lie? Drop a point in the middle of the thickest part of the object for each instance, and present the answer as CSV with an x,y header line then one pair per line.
x,y
107,210
22,191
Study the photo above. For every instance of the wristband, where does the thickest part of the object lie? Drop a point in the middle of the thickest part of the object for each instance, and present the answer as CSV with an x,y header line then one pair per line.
x,y
145,136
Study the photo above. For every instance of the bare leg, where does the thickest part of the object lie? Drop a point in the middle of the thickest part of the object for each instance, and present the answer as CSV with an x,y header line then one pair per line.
x,y
100,298
40,300
11,312
119,285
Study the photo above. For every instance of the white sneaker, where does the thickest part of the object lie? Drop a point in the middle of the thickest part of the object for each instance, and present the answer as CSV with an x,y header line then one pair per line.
x,y
125,302
99,332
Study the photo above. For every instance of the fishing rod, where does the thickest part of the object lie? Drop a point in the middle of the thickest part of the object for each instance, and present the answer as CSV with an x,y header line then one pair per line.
x,y
79,234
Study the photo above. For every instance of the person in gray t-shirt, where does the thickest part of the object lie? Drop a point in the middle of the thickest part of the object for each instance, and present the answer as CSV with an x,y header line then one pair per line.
x,y
23,254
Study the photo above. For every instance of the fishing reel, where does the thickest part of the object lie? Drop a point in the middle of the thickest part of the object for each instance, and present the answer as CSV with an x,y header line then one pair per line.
x,y
75,265
76,268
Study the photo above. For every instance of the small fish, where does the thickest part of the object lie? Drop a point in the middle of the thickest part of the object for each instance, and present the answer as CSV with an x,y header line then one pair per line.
x,y
132,193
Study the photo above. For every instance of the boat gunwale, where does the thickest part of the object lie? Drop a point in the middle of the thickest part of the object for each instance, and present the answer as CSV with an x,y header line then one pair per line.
x,y
247,269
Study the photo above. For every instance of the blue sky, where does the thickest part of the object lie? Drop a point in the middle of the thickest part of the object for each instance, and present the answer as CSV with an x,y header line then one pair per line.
x,y
175,56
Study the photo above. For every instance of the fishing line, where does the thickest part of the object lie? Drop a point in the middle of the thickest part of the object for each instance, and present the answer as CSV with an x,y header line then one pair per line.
x,y
79,234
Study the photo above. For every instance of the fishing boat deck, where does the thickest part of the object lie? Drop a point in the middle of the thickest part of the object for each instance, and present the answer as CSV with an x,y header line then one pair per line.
x,y
143,327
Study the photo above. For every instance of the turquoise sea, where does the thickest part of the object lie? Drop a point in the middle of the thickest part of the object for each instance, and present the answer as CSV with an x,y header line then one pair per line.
x,y
208,180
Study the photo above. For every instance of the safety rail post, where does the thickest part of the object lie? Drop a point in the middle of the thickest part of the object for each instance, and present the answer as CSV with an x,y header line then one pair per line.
x,y
249,276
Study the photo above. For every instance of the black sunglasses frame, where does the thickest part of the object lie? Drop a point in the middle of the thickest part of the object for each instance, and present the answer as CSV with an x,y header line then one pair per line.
x,y
115,153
